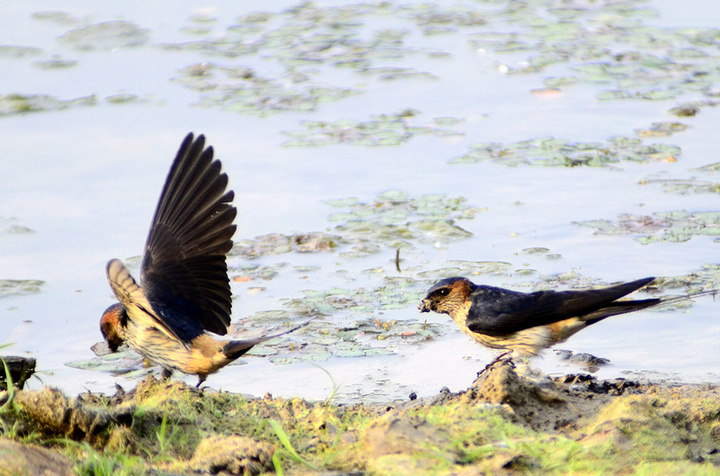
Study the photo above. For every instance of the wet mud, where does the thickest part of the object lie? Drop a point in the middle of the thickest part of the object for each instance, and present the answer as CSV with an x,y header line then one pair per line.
x,y
512,419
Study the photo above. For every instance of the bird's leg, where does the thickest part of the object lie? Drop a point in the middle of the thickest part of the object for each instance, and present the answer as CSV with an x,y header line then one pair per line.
x,y
201,379
166,374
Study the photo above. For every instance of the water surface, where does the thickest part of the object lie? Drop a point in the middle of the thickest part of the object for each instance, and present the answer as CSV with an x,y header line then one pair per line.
x,y
80,181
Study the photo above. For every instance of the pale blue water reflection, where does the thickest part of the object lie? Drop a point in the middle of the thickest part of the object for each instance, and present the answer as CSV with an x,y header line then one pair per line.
x,y
85,180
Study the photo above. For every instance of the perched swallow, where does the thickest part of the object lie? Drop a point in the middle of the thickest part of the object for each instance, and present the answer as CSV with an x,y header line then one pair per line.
x,y
527,323
185,289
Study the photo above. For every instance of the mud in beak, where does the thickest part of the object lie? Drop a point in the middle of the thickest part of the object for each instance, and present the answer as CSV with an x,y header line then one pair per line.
x,y
426,306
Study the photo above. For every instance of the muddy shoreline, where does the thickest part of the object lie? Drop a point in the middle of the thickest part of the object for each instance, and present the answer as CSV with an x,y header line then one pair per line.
x,y
511,420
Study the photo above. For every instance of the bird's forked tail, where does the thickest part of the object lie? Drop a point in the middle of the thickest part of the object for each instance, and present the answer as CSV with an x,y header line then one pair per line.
x,y
237,348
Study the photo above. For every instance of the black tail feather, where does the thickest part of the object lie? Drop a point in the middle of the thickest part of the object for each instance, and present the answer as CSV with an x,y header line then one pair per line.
x,y
237,348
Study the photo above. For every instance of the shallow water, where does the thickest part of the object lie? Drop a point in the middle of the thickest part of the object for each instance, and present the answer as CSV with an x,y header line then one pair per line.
x,y
85,179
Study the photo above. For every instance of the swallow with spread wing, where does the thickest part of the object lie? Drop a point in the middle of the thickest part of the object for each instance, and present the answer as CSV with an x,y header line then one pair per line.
x,y
185,290
527,323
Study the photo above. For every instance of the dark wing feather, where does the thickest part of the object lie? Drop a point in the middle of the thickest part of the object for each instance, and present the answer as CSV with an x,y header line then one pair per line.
x,y
497,311
184,272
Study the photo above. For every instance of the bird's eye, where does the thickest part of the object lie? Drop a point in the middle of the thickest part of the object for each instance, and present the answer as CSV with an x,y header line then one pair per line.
x,y
443,292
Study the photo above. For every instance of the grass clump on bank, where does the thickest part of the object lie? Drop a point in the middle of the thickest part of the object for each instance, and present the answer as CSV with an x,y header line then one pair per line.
x,y
504,423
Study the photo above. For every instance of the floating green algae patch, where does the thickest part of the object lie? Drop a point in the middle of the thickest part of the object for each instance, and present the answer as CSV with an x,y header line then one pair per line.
x,y
307,55
310,35
302,41
11,104
55,64
505,422
19,287
693,108
10,225
393,219
16,51
685,186
707,277
672,226
106,36
243,90
468,269
58,17
19,103
396,219
381,130
296,53
124,98
124,361
661,129
394,293
277,243
549,151
345,323
605,44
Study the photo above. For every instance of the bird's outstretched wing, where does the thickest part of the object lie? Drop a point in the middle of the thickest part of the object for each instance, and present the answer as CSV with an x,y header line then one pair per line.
x,y
184,272
497,311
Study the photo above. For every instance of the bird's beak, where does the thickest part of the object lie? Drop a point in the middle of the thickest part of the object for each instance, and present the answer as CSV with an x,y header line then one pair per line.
x,y
425,305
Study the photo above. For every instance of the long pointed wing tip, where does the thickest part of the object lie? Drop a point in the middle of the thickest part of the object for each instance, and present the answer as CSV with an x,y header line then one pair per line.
x,y
112,265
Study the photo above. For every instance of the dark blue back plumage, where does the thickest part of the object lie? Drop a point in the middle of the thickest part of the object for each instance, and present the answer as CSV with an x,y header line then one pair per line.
x,y
497,311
